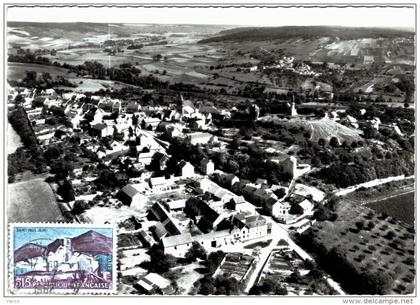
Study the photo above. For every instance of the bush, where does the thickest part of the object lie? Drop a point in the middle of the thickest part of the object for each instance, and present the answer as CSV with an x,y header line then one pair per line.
x,y
196,251
390,235
79,207
214,259
359,225
160,262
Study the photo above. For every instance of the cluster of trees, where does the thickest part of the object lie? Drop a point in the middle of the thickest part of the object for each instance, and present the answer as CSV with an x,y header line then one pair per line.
x,y
249,164
386,114
24,159
29,58
118,42
221,285
30,157
159,261
268,286
44,81
231,65
21,125
126,73
134,47
344,174
287,133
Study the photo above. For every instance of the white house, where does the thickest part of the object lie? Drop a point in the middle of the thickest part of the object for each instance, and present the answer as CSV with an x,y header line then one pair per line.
x,y
280,210
130,196
177,245
200,138
186,169
207,166
152,281
306,206
160,183
102,130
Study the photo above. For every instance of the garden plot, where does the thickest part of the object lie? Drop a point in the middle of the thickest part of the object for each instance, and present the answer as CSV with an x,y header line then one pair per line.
x,y
236,265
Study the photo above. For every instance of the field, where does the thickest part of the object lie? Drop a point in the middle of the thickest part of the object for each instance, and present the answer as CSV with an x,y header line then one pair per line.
x,y
323,128
32,201
13,140
375,252
17,71
327,129
321,45
401,207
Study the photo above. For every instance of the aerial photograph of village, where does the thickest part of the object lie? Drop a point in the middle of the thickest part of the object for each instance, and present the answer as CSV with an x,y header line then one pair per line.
x,y
233,159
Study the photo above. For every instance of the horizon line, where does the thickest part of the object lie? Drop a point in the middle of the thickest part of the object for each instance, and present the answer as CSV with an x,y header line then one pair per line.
x,y
226,25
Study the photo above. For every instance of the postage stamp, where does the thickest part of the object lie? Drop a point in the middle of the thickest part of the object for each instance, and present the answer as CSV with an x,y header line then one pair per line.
x,y
48,259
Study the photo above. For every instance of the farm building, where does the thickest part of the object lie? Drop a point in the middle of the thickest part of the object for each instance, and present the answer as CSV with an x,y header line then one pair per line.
x,y
128,195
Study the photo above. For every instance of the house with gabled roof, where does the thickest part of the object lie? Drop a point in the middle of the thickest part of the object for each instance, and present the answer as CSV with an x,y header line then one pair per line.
x,y
146,239
158,212
130,196
227,179
185,169
177,245
207,166
200,138
132,107
159,161
101,130
153,283
160,183
280,210
250,226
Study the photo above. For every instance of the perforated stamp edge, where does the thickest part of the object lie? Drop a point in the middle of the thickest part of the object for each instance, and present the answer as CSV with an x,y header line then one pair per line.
x,y
60,292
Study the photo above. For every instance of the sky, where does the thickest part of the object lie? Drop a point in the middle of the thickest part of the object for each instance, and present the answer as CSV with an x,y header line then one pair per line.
x,y
391,17
21,235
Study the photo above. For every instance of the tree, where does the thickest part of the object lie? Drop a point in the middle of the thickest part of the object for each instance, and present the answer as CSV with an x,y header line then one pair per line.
x,y
322,142
214,259
269,286
66,191
381,283
334,142
79,207
157,57
226,285
196,251
160,262
280,193
296,209
19,99
206,285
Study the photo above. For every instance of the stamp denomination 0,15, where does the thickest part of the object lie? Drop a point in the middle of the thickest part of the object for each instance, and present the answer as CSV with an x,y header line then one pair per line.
x,y
62,258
